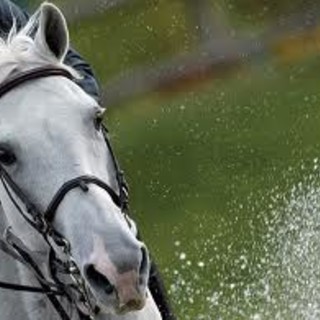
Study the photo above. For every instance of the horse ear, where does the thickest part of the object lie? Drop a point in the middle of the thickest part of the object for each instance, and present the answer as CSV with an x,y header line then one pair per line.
x,y
52,34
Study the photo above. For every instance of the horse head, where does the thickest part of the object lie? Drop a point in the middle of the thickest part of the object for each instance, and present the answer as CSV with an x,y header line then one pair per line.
x,y
50,133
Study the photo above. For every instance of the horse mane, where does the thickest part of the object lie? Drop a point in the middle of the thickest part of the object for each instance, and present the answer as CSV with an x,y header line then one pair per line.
x,y
19,51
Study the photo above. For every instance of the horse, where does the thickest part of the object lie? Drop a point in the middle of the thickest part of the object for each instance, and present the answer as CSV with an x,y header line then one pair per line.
x,y
69,248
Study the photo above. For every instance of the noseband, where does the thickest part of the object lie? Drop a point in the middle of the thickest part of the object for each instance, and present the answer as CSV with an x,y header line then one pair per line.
x,y
75,290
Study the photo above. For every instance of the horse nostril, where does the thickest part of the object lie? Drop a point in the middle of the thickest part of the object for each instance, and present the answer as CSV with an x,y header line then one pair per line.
x,y
97,279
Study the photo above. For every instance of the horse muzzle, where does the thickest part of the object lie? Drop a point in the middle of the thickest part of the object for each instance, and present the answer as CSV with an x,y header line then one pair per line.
x,y
120,282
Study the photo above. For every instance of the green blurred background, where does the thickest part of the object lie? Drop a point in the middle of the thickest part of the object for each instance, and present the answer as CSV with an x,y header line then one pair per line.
x,y
213,112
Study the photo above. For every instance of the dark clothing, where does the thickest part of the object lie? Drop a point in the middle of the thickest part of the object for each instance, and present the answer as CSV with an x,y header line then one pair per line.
x,y
159,294
10,11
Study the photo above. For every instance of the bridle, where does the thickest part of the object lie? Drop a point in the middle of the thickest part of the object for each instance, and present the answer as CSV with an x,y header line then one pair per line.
x,y
66,279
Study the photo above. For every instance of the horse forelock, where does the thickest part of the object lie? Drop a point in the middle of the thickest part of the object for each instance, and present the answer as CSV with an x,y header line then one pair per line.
x,y
20,52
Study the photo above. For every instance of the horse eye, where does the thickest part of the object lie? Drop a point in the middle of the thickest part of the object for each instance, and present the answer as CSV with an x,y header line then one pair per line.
x,y
7,157
98,120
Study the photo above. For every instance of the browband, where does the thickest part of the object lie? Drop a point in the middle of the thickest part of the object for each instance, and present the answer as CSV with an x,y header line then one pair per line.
x,y
32,74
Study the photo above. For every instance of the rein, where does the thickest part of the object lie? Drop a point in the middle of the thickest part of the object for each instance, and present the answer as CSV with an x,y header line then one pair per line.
x,y
75,290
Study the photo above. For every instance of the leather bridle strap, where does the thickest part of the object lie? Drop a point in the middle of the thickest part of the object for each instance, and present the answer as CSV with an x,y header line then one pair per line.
x,y
32,74
122,183
8,249
24,253
19,287
79,182
37,221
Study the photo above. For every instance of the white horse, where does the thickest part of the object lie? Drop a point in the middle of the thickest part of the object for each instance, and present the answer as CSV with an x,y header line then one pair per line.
x,y
48,136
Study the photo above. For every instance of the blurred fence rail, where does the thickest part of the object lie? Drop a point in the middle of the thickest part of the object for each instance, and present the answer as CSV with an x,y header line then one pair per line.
x,y
180,70
82,9
290,37
75,10
216,52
